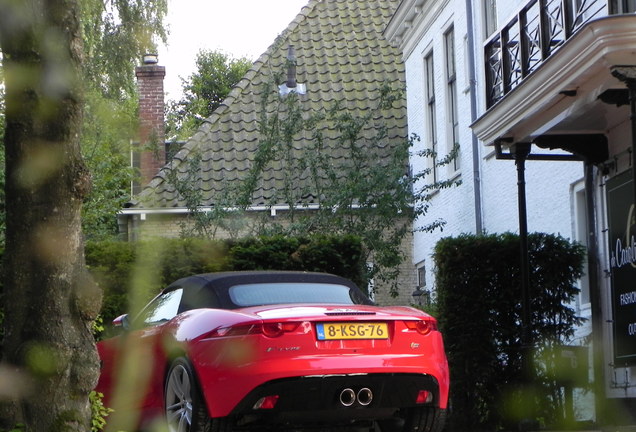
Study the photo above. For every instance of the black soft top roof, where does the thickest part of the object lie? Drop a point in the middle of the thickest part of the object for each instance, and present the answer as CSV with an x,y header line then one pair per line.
x,y
227,279
211,288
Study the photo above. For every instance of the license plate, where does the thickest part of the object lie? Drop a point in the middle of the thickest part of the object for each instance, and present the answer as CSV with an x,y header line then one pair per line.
x,y
338,331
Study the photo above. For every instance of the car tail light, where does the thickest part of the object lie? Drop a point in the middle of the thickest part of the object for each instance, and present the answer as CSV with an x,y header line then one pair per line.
x,y
278,329
424,396
271,330
241,330
267,402
423,327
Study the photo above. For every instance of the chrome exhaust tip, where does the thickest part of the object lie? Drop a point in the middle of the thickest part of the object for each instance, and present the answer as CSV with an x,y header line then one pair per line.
x,y
365,396
347,397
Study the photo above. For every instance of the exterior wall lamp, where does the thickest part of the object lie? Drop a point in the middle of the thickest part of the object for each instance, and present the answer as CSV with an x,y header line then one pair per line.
x,y
421,297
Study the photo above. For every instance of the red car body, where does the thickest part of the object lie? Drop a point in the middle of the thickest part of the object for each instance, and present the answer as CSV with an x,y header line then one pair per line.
x,y
278,349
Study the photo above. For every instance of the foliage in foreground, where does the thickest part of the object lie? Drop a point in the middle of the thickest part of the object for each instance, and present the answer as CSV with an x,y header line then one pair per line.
x,y
479,310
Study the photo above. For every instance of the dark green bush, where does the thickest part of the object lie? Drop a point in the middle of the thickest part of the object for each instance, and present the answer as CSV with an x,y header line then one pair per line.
x,y
111,263
116,265
479,311
266,253
338,255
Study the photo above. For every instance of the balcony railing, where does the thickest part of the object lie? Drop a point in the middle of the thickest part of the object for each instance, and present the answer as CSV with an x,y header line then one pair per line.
x,y
533,35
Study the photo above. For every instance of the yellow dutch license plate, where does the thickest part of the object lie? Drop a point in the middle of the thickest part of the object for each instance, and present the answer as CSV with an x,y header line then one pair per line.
x,y
338,331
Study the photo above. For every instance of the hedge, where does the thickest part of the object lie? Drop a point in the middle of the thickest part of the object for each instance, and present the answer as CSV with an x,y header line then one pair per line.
x,y
479,311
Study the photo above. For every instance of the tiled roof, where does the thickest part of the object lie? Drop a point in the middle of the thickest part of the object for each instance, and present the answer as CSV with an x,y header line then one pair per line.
x,y
341,56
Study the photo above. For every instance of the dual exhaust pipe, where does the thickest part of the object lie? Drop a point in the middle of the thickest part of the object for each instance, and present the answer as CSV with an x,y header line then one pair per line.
x,y
348,397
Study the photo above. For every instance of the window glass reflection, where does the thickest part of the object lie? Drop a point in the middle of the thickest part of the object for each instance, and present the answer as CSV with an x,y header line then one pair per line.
x,y
163,308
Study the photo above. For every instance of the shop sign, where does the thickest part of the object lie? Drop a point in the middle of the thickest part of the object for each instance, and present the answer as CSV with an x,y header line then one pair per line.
x,y
622,253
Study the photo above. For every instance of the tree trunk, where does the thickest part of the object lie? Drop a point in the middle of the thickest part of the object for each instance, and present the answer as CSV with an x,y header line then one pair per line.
x,y
50,301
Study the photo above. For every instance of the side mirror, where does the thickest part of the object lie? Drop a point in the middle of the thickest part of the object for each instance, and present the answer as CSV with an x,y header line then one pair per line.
x,y
122,321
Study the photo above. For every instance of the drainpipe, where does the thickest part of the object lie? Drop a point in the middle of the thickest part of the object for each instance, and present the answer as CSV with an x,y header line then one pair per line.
x,y
520,152
473,116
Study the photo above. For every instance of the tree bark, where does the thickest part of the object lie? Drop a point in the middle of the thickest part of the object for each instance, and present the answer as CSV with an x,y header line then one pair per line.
x,y
50,301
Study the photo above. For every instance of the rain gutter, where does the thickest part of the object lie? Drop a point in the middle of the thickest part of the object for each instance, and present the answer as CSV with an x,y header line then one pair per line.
x,y
473,117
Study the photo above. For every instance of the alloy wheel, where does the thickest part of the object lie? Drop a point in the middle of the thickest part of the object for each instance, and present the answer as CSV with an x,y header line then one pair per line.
x,y
179,389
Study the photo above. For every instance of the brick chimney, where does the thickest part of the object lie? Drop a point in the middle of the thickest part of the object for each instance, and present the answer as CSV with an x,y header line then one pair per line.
x,y
152,150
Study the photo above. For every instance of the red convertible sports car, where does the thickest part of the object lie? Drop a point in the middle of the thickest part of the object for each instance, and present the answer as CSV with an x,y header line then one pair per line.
x,y
252,351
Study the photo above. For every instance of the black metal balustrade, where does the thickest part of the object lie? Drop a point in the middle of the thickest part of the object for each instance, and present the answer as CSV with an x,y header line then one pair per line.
x,y
535,33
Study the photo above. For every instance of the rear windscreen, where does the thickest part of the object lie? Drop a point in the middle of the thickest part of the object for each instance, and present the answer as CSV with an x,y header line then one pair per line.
x,y
289,292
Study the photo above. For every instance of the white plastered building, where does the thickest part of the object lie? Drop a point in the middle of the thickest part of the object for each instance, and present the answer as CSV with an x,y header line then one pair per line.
x,y
494,76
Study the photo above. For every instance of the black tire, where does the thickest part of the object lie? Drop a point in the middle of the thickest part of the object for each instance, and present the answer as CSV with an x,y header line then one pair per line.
x,y
424,419
420,419
184,405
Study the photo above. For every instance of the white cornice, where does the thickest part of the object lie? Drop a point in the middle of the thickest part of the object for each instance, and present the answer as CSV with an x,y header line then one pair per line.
x,y
411,21
395,29
586,57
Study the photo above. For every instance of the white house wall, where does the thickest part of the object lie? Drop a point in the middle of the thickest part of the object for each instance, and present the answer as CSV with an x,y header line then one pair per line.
x,y
547,195
548,183
553,189
455,206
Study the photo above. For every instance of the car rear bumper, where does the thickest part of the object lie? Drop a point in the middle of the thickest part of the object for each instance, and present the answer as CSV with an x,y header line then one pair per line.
x,y
317,399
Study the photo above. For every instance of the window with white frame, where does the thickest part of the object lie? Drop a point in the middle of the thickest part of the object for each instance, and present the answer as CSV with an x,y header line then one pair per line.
x,y
465,49
431,115
490,17
580,235
421,275
451,95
